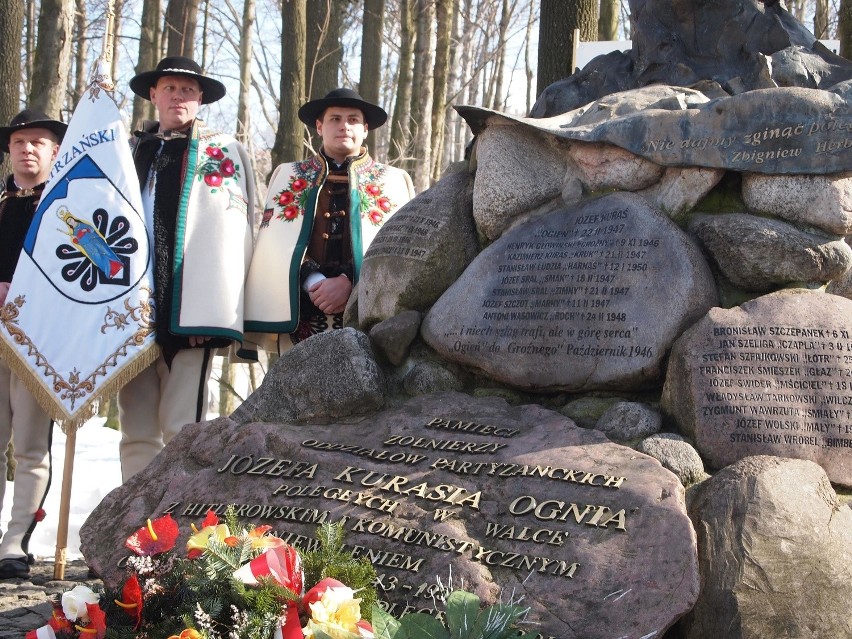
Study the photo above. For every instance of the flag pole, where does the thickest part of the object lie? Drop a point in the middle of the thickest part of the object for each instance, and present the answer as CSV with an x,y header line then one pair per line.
x,y
61,556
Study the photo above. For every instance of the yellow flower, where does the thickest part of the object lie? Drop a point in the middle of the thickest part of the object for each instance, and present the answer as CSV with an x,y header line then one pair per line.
x,y
335,614
199,540
189,633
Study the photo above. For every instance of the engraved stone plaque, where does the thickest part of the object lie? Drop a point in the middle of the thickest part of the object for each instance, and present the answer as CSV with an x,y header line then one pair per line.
x,y
771,377
509,500
419,252
788,130
587,297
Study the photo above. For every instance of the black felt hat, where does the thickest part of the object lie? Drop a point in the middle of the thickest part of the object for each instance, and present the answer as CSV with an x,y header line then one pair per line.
x,y
142,83
374,115
30,119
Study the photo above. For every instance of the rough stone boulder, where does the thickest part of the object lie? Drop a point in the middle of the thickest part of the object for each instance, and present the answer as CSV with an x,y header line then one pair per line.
x,y
419,252
511,501
760,254
775,549
355,389
770,377
570,300
821,201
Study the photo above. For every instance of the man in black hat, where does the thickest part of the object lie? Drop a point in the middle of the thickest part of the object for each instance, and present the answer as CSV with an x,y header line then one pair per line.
x,y
319,218
198,196
32,142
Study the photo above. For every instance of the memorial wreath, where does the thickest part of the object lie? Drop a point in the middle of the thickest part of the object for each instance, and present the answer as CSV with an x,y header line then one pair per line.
x,y
244,583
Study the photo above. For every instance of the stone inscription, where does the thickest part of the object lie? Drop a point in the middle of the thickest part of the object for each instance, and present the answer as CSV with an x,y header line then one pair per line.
x,y
562,293
500,499
410,236
782,130
779,385
527,540
569,301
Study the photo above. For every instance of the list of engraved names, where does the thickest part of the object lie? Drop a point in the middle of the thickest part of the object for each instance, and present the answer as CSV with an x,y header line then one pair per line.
x,y
567,291
785,385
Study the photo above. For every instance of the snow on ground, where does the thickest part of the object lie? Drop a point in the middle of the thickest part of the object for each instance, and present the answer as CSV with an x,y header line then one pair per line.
x,y
96,472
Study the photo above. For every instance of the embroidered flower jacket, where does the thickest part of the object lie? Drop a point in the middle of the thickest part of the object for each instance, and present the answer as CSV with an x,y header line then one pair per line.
x,y
376,191
213,238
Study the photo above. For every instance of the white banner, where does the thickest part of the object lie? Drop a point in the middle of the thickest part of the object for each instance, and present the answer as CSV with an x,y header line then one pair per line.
x,y
78,319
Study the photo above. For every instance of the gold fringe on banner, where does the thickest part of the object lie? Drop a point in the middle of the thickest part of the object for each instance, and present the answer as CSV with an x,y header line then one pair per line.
x,y
37,373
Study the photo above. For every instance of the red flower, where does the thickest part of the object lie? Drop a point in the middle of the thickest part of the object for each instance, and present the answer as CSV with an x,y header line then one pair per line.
x,y
285,198
131,599
210,519
97,620
227,167
157,537
373,189
376,216
215,152
213,179
298,185
40,514
384,204
291,212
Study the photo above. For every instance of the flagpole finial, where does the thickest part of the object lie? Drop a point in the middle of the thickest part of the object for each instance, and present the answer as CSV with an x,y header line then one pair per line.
x,y
103,74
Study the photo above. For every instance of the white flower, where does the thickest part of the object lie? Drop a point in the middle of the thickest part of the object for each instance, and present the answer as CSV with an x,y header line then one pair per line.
x,y
74,603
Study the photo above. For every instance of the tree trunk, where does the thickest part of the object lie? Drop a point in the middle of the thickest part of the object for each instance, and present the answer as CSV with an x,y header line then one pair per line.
x,y
52,56
204,34
844,28
401,125
466,81
243,120
149,51
226,388
821,19
528,58
444,16
116,34
324,52
112,412
290,135
448,142
81,74
608,21
371,57
499,100
181,17
421,104
11,25
557,21
29,46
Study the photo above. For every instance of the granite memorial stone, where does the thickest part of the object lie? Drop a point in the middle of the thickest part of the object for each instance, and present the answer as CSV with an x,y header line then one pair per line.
x,y
570,300
770,377
418,253
513,501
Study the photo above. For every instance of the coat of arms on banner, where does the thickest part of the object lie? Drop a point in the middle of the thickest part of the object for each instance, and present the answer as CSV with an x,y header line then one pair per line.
x,y
78,322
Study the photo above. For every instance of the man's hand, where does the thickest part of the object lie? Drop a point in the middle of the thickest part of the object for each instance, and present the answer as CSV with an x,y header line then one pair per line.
x,y
197,341
330,295
4,290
